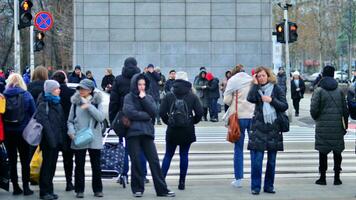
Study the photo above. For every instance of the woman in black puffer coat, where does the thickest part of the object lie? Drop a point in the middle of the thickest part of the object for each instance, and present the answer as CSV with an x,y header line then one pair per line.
x,y
265,132
180,136
141,110
328,109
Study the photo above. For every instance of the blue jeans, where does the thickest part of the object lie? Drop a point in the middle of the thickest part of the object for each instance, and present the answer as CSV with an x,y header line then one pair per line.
x,y
183,153
213,108
256,170
126,162
245,124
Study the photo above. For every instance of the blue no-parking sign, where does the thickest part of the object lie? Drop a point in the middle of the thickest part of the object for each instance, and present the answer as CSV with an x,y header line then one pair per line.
x,y
44,21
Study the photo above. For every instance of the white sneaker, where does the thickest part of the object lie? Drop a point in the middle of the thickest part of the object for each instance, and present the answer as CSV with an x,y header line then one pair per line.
x,y
237,183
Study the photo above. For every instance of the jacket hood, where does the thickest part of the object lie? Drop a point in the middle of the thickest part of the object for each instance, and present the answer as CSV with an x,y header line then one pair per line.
x,y
134,82
12,91
328,83
201,72
97,98
129,71
209,76
181,87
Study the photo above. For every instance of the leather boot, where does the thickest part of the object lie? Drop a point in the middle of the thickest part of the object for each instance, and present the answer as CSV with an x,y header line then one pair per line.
x,y
337,180
322,179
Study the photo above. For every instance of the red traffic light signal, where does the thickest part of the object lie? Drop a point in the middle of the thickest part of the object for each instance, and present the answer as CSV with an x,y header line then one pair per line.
x,y
25,14
293,35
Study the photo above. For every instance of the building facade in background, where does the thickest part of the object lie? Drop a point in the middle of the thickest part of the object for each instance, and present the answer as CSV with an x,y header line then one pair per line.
x,y
172,34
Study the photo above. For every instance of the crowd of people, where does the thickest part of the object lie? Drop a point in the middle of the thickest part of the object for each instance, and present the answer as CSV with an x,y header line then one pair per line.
x,y
147,98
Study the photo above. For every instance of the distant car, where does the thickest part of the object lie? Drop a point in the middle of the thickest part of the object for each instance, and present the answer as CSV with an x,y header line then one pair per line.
x,y
106,101
312,77
341,77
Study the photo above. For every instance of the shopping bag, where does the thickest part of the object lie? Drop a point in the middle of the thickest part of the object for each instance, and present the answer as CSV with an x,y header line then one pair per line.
x,y
4,168
112,158
35,166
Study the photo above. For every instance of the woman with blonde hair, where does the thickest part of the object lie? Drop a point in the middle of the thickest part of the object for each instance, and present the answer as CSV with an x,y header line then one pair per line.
x,y
39,76
108,80
266,133
19,109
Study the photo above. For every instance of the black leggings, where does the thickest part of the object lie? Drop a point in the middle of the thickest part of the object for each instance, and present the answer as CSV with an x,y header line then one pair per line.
x,y
323,162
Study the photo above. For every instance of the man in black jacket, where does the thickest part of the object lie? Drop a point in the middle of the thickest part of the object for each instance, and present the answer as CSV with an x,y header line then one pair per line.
x,y
213,94
153,89
170,81
76,76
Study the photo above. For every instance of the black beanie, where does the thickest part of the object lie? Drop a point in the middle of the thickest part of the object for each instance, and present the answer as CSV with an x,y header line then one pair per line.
x,y
130,62
328,71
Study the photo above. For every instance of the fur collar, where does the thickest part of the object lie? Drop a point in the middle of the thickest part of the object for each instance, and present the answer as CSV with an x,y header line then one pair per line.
x,y
97,98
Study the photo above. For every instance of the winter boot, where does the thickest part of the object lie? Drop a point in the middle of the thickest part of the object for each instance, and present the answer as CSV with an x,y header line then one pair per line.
x,y
322,179
337,180
26,189
17,189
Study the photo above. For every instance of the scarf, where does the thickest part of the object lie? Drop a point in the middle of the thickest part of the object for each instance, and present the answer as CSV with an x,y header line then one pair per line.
x,y
51,98
269,112
236,82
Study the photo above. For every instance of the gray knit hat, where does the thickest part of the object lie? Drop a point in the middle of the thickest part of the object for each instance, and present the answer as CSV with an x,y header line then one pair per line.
x,y
50,85
86,84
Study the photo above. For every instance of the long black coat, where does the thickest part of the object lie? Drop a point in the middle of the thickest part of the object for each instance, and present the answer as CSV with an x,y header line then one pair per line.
x,y
36,88
107,79
266,136
140,111
327,107
120,88
297,94
154,88
185,135
54,123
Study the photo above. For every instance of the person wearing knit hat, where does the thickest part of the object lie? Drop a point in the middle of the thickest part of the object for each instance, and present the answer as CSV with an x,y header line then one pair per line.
x,y
50,115
213,95
200,85
76,76
329,110
297,91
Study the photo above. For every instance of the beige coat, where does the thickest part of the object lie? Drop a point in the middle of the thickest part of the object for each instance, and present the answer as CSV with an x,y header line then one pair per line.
x,y
245,108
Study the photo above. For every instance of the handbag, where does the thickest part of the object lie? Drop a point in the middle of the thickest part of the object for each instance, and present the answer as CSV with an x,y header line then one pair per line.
x,y
84,137
4,168
344,125
283,122
112,158
120,124
234,132
35,165
2,104
32,133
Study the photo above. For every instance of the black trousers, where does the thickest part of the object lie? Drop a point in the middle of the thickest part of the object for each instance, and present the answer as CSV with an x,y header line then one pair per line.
x,y
226,107
68,156
48,168
14,142
296,105
323,162
136,145
80,155
205,109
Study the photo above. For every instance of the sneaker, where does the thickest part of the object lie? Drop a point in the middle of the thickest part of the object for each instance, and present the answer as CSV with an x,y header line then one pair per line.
x,y
255,192
98,194
237,183
80,195
169,194
69,187
137,194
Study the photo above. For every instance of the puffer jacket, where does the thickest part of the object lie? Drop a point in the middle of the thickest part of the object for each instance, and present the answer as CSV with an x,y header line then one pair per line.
x,y
182,135
154,88
140,111
83,117
328,106
36,88
198,83
264,136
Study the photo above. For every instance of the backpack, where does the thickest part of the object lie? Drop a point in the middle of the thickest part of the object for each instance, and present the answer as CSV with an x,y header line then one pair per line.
x,y
15,109
178,115
352,105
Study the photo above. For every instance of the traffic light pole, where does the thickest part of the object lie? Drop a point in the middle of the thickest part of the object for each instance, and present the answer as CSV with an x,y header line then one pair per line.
x,y
32,54
288,70
16,37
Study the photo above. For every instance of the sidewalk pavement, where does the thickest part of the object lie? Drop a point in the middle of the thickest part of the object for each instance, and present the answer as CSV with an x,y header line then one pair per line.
x,y
287,189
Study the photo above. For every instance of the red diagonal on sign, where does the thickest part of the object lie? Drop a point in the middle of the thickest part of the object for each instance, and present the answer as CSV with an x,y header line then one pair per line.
x,y
43,20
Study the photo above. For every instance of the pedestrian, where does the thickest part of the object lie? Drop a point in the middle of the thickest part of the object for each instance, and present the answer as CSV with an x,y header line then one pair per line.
x,y
49,110
201,87
238,87
161,82
40,75
20,106
329,111
282,79
76,76
170,81
182,136
153,89
27,76
89,75
200,70
87,112
265,135
2,74
223,86
141,110
108,80
297,91
67,153
213,96
120,89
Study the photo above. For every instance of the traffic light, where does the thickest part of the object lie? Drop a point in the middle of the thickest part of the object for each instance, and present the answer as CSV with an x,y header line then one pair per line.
x,y
39,43
25,13
280,33
293,35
